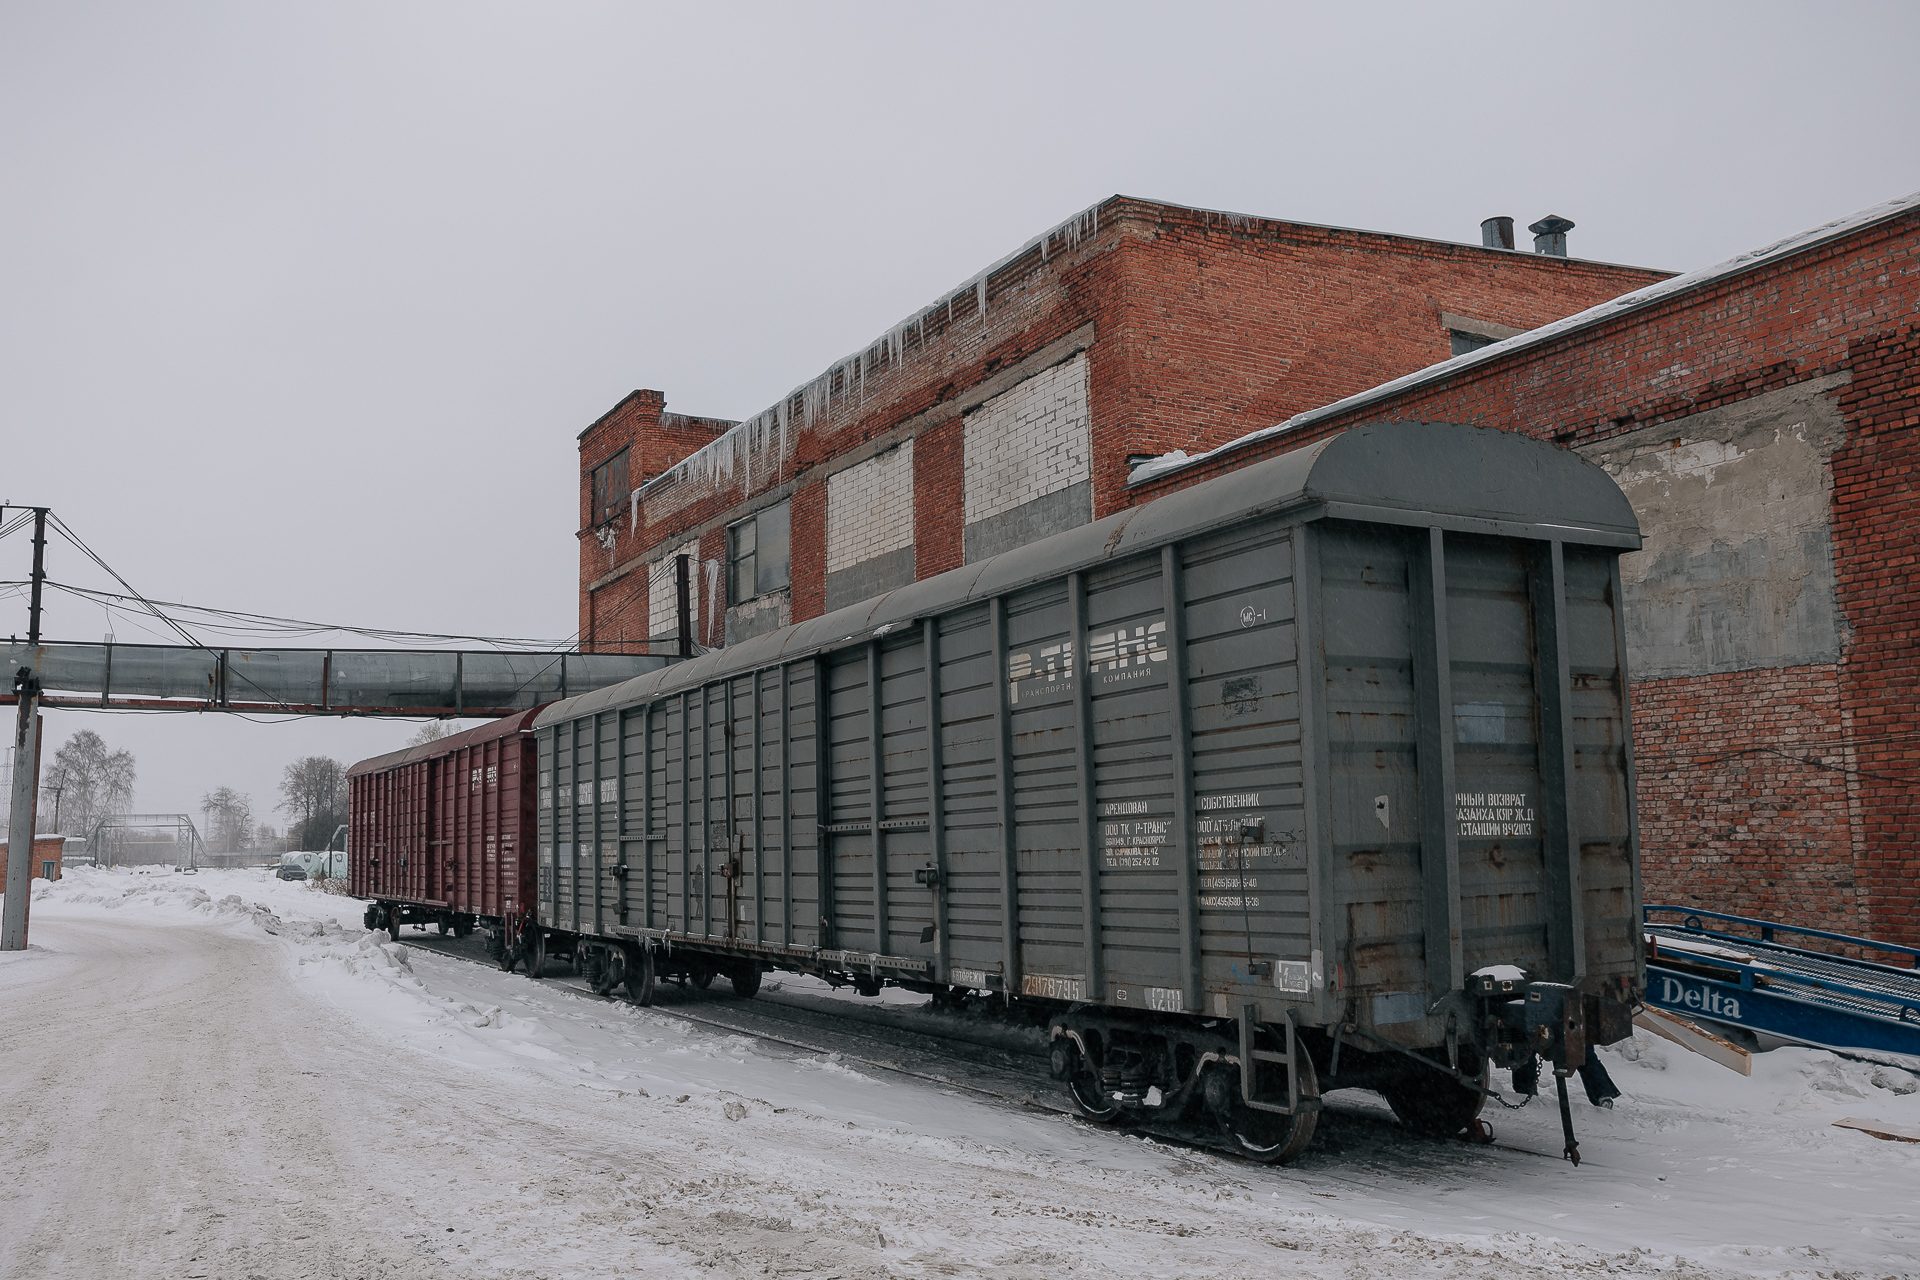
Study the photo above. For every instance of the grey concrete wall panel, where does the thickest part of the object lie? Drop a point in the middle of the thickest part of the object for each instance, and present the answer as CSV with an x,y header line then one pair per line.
x,y
1351,726
1052,513
1736,508
870,578
759,616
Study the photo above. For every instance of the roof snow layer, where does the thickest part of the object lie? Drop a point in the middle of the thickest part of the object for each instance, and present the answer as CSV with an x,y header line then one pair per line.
x,y
1179,460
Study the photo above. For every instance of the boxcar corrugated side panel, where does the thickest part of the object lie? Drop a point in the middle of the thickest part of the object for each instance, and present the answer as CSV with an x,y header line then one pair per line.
x,y
695,815
1249,819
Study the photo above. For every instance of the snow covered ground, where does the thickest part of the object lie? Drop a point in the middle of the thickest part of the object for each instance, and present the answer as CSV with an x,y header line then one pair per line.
x,y
222,1075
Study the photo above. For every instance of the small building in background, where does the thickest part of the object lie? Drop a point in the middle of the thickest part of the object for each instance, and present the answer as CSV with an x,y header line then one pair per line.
x,y
49,856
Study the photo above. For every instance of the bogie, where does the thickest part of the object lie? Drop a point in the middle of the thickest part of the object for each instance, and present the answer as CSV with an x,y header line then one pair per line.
x,y
1434,1105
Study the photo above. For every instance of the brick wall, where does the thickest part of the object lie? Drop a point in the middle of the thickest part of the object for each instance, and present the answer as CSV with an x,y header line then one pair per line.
x,y
663,593
1030,445
617,617
1747,804
939,469
869,547
1877,531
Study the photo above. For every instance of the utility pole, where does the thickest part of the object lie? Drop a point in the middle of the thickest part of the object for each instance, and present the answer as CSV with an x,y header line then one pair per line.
x,y
26,760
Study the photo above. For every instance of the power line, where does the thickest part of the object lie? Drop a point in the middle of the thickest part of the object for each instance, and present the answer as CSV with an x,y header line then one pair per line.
x,y
241,622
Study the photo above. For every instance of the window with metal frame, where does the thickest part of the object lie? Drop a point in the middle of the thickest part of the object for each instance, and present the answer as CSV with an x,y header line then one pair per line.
x,y
609,488
758,554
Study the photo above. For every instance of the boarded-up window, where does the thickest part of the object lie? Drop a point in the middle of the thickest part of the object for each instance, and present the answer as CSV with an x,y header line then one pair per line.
x,y
610,488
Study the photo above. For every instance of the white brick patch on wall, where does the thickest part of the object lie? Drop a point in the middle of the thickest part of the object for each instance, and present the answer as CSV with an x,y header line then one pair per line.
x,y
870,509
1028,442
663,600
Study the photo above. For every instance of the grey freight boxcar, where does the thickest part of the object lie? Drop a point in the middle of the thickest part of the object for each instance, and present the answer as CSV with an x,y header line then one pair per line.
x,y
1313,775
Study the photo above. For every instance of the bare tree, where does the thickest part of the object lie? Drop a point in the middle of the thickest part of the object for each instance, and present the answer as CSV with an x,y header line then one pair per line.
x,y
431,731
93,782
313,795
229,820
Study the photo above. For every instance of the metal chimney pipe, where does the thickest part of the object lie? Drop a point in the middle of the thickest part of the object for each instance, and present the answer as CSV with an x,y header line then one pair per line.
x,y
1550,235
1497,233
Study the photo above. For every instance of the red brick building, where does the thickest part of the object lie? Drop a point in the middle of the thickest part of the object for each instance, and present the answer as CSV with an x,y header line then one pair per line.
x,y
1763,416
49,854
1009,409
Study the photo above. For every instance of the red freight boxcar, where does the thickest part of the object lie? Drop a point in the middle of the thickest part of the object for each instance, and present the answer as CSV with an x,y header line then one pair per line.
x,y
443,834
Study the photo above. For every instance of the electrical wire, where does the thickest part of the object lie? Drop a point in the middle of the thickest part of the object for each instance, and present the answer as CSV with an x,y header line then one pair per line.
x,y
241,622
244,623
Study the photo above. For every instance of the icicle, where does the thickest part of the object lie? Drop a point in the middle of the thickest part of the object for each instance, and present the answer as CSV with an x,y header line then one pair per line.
x,y
1044,237
712,569
949,312
633,525
780,460
980,295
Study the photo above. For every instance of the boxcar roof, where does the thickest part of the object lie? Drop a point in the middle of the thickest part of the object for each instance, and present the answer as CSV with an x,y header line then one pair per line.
x,y
446,746
1474,479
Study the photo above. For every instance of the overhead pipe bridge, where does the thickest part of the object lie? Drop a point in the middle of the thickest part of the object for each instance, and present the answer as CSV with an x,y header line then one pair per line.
x,y
318,682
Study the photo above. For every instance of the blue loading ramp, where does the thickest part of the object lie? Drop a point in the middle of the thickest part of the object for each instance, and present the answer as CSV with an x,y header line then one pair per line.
x,y
1736,970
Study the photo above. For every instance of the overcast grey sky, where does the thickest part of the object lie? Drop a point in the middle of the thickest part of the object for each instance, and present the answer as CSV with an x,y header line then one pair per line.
x,y
301,306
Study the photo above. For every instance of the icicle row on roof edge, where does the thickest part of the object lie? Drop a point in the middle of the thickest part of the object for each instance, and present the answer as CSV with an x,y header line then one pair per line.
x,y
715,462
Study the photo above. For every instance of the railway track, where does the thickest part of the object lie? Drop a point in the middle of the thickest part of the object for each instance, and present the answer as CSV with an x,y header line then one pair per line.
x,y
994,1064
991,1063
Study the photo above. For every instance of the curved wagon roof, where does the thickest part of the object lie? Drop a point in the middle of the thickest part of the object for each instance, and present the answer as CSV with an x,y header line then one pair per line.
x,y
446,746
1427,474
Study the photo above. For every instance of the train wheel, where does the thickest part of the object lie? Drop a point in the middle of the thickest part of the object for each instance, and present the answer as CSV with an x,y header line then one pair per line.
x,y
639,972
535,946
701,978
445,926
1435,1106
611,966
1092,1103
498,951
1265,1136
462,926
746,981
393,924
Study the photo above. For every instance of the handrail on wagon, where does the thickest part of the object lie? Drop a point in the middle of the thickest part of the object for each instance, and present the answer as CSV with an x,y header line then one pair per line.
x,y
1693,916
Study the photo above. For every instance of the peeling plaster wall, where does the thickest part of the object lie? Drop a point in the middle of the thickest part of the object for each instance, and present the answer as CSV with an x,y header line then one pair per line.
x,y
1736,508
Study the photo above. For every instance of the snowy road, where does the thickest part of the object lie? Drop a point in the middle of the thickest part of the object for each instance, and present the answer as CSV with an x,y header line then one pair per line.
x,y
205,1088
